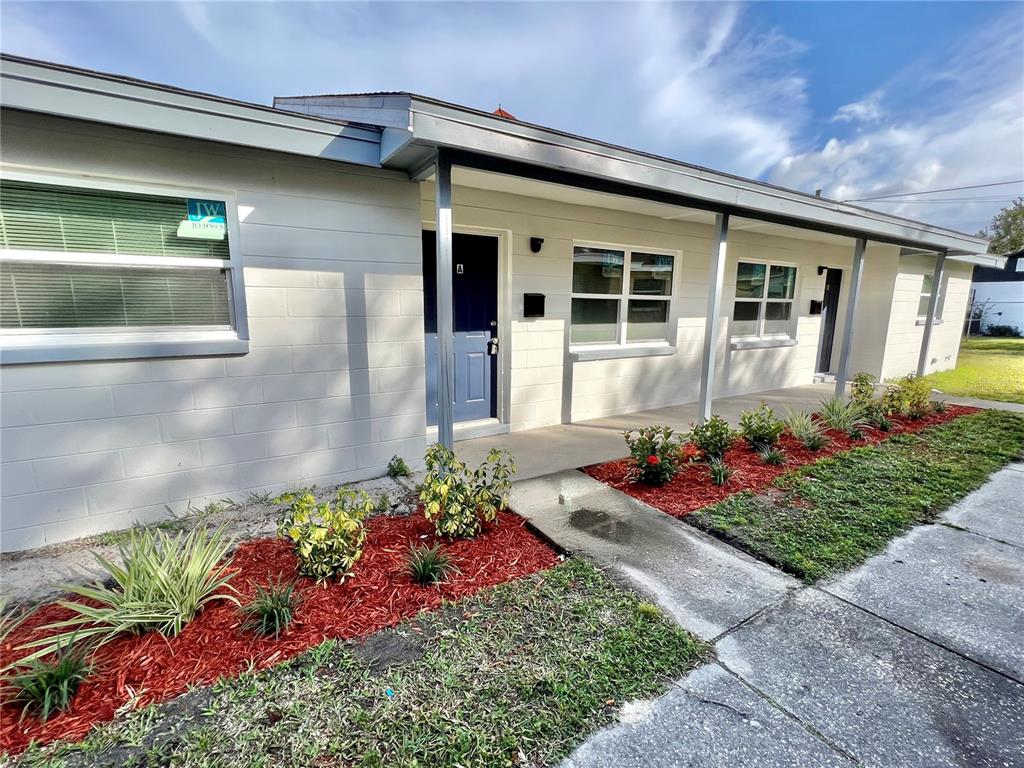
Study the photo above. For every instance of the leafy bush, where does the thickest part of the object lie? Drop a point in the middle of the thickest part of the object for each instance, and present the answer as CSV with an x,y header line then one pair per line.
x,y
1003,331
329,536
772,455
909,397
272,609
428,565
840,415
654,453
720,471
803,427
760,427
862,389
398,468
713,437
46,687
164,582
459,500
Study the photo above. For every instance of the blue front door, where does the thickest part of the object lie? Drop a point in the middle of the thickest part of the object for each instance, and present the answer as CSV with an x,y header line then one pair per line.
x,y
475,321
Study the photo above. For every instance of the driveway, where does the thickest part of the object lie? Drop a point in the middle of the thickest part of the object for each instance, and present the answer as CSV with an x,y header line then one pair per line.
x,y
916,658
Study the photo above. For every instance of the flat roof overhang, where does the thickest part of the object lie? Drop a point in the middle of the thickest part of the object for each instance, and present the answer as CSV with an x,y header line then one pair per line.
x,y
485,142
53,89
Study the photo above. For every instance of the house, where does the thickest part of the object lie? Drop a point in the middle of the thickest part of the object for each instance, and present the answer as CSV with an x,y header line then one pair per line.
x,y
202,297
997,296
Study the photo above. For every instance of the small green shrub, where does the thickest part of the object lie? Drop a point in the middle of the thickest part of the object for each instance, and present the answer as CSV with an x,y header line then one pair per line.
x,y
816,442
272,609
713,437
881,422
840,415
940,406
772,455
398,468
720,471
45,687
803,427
760,427
909,397
328,537
862,389
164,582
856,434
654,454
428,565
459,500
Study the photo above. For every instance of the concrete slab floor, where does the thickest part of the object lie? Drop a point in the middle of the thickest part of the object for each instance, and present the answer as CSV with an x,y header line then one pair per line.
x,y
880,693
996,509
708,719
968,593
705,585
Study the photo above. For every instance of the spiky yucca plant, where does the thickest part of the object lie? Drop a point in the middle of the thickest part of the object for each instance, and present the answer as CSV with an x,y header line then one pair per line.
x,y
163,584
841,415
44,687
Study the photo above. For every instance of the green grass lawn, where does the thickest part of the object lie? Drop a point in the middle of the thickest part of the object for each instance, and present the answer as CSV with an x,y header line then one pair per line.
x,y
831,515
987,368
517,675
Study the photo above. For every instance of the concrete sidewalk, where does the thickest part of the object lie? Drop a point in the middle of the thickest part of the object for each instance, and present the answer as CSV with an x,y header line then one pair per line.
x,y
916,658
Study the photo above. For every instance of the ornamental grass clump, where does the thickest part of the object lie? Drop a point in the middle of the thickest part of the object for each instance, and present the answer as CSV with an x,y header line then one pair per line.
x,y
459,500
45,687
840,415
654,455
803,427
272,609
328,536
164,582
772,455
720,471
760,427
713,437
428,565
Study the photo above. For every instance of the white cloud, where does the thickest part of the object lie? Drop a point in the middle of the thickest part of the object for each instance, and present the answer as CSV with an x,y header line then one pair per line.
x,y
867,110
967,127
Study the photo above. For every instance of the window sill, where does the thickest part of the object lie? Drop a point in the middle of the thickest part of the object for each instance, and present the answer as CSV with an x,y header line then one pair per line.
x,y
924,321
583,354
761,343
65,350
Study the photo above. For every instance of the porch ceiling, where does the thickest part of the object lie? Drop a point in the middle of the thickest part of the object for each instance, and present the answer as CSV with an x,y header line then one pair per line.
x,y
496,182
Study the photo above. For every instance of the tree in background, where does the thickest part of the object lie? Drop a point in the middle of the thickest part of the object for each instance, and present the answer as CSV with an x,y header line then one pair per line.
x,y
1006,232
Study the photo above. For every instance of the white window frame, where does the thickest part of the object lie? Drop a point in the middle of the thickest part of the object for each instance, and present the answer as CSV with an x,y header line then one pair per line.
x,y
624,297
763,301
923,318
41,345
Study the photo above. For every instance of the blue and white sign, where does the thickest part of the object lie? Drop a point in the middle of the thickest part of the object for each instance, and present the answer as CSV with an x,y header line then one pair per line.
x,y
207,220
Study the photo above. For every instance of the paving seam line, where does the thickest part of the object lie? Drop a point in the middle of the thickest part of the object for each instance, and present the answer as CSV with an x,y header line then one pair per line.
x,y
790,591
791,715
955,527
927,639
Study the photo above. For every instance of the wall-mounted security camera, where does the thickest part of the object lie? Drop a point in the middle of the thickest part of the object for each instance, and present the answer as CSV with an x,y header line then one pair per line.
x,y
536,243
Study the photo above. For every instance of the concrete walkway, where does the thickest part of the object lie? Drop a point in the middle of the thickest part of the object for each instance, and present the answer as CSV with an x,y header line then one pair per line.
x,y
916,658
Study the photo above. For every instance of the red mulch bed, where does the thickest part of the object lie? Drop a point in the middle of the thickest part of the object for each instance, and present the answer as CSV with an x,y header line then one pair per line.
x,y
691,488
214,644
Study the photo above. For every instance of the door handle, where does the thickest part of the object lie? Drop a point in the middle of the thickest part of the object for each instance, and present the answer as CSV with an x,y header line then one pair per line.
x,y
492,346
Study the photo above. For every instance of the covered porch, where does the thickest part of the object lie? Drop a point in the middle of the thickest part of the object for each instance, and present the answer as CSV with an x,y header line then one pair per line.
x,y
552,449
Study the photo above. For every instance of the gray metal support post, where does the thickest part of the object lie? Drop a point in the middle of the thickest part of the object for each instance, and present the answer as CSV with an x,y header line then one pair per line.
x,y
851,313
707,370
445,334
933,306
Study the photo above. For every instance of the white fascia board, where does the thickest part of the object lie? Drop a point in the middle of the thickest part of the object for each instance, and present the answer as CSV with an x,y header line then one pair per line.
x,y
65,92
979,259
447,127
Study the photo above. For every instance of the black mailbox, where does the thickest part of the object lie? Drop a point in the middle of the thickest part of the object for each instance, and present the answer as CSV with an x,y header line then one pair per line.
x,y
533,305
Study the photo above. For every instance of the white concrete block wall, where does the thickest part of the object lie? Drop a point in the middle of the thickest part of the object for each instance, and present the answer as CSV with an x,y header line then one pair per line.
x,y
332,386
539,369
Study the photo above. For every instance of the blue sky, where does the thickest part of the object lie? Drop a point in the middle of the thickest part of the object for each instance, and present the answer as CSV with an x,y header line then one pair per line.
x,y
856,98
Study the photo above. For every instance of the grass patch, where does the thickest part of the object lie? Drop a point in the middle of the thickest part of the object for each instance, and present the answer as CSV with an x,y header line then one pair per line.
x,y
518,674
990,369
831,515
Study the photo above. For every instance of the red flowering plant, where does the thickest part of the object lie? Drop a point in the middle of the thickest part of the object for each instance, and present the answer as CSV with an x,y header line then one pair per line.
x,y
654,453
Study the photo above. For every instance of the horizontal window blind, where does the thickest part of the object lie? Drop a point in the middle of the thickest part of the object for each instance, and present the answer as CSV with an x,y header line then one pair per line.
x,y
47,217
46,295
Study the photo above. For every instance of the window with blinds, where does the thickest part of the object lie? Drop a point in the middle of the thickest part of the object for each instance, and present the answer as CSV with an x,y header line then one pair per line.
x,y
55,239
